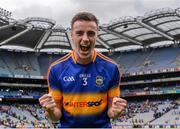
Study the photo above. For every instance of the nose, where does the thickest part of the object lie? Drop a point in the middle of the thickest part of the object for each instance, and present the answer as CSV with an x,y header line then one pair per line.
x,y
85,37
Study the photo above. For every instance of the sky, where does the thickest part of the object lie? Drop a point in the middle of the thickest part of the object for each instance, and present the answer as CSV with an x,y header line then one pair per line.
x,y
63,10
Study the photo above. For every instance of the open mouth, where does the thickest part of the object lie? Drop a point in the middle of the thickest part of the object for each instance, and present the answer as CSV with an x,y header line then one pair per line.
x,y
85,47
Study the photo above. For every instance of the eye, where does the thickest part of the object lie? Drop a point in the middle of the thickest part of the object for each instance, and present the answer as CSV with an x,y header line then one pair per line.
x,y
91,33
79,33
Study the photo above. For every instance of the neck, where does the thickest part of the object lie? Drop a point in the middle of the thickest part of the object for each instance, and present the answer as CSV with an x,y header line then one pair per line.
x,y
83,61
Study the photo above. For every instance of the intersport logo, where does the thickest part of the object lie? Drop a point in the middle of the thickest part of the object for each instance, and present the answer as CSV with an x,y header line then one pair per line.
x,y
83,103
68,78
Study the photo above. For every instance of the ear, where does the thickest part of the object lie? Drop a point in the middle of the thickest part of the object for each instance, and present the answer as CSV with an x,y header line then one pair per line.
x,y
98,29
71,34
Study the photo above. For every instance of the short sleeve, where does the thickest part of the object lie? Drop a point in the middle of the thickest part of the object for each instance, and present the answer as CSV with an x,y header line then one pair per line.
x,y
114,89
53,85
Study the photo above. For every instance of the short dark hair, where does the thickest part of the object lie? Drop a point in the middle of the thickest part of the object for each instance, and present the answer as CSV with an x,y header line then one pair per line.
x,y
84,16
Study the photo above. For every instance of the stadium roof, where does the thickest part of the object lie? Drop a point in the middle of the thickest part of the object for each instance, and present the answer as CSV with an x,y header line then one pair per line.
x,y
42,34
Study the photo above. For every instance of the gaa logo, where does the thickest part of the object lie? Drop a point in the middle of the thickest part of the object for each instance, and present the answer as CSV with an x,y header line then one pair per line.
x,y
68,78
99,80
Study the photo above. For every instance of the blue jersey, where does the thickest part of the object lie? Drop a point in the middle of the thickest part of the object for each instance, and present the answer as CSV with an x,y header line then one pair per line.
x,y
84,91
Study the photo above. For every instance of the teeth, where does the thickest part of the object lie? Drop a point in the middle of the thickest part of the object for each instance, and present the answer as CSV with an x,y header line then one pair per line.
x,y
84,47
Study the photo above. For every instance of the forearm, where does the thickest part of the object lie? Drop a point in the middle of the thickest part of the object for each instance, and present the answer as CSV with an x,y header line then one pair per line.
x,y
112,114
54,114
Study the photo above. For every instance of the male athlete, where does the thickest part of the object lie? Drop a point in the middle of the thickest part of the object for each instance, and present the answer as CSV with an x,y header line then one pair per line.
x,y
84,85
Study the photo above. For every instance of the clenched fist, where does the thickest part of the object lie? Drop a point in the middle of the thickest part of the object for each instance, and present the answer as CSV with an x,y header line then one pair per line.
x,y
118,105
47,102
52,109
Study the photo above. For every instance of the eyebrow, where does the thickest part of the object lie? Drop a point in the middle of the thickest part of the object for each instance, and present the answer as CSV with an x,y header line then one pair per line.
x,y
90,32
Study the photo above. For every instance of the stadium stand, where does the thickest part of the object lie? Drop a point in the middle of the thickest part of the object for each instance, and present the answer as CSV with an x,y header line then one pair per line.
x,y
147,49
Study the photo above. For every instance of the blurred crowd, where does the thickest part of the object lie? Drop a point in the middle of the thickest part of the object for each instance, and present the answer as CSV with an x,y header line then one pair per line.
x,y
32,115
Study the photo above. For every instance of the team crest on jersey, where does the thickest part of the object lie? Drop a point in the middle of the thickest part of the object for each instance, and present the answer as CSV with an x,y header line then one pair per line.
x,y
99,80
